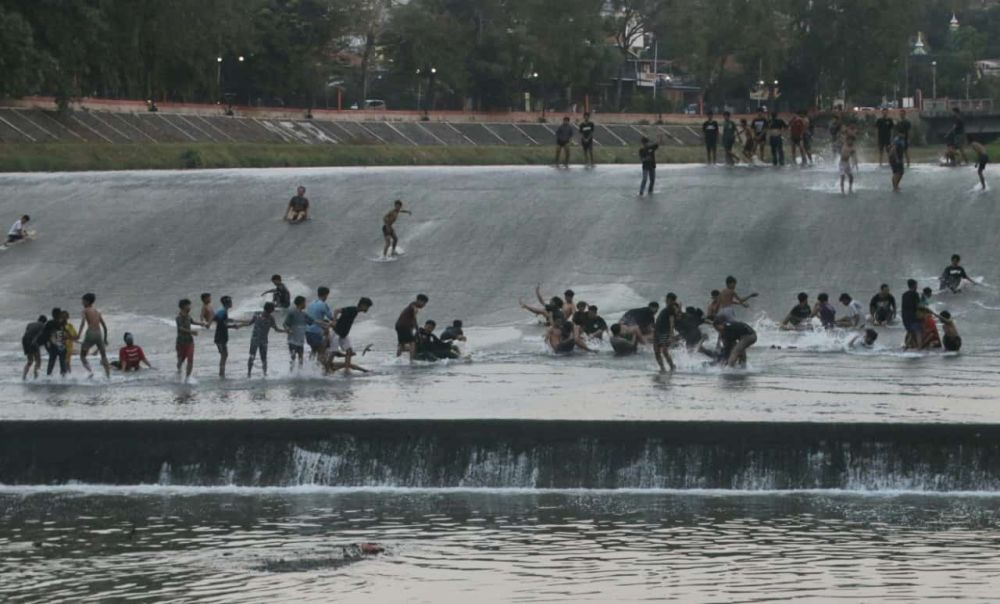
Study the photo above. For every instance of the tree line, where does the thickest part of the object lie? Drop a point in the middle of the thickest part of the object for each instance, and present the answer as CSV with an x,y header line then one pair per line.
x,y
488,54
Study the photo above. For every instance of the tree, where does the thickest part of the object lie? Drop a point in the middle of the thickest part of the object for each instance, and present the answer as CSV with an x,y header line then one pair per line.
x,y
20,61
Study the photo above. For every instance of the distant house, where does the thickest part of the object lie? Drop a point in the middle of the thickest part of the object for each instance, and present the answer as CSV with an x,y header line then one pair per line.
x,y
988,68
642,74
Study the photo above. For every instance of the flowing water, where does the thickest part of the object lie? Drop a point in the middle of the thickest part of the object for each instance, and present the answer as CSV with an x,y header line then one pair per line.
x,y
819,472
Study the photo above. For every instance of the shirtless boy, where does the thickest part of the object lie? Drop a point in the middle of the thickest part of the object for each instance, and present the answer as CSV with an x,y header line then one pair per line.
x,y
388,227
96,334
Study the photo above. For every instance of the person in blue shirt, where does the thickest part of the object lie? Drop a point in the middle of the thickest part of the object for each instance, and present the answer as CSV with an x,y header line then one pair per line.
x,y
319,311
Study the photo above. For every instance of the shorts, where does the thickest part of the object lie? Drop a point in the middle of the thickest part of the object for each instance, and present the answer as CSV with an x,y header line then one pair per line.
x,y
93,338
983,160
185,352
796,140
845,168
914,327
344,344
952,343
404,335
587,145
897,168
711,142
260,347
562,143
904,144
692,337
566,347
883,142
314,340
728,313
12,238
222,346
30,350
958,140
296,349
727,143
662,338
882,315
388,231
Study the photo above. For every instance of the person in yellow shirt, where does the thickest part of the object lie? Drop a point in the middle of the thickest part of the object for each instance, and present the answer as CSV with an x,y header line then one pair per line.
x,y
71,338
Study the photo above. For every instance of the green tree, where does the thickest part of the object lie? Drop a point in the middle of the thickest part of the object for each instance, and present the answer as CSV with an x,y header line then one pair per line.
x,y
20,61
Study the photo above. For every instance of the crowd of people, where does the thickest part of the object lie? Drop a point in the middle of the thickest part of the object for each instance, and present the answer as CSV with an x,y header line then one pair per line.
x,y
766,133
573,325
326,332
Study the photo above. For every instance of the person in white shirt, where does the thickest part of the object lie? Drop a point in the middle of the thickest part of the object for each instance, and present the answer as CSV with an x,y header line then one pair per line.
x,y
854,313
18,230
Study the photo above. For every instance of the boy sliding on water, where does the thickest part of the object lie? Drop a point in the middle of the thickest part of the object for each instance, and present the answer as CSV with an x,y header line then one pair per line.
x,y
952,341
389,228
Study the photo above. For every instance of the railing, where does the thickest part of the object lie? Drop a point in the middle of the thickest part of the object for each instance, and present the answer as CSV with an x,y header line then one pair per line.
x,y
942,106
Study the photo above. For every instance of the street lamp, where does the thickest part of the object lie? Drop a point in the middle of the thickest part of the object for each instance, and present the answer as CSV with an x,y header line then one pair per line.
x,y
934,80
218,74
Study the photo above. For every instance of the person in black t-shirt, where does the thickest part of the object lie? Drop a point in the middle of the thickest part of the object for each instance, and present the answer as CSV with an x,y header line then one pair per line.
x,y
586,129
298,207
903,128
908,312
343,321
759,126
647,155
775,131
798,317
593,324
280,295
882,306
710,130
642,318
954,274
735,338
883,127
956,136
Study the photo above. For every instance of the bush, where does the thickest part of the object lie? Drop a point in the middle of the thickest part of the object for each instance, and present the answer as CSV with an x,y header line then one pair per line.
x,y
191,159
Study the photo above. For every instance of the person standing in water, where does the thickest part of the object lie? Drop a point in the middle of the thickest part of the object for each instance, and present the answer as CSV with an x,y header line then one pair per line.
x,y
903,128
207,314
647,155
775,131
71,338
406,326
587,140
910,302
736,338
981,160
883,129
31,347
297,320
729,299
710,132
343,319
797,132
730,134
389,227
95,335
564,135
185,337
263,323
956,136
847,162
882,306
896,162
222,326
759,125
748,140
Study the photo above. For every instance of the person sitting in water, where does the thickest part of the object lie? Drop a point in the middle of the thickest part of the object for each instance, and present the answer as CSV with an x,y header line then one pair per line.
x,y
594,325
953,275
550,311
798,318
736,338
19,230
580,314
624,339
643,318
430,347
825,311
298,207
564,338
883,306
952,341
865,340
130,356
453,333
854,313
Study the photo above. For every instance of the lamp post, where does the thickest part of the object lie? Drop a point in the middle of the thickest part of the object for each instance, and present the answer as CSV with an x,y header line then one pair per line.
x,y
934,80
430,90
420,82
218,75
760,87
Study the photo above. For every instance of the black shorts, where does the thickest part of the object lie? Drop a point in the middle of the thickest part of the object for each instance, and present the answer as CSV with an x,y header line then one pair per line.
x,y
294,349
796,140
711,143
30,350
897,168
983,160
883,142
12,238
952,343
404,335
388,231
222,346
562,143
587,145
727,143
